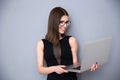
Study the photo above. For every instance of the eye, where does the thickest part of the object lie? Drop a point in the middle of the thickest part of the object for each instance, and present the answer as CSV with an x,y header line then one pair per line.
x,y
62,21
67,22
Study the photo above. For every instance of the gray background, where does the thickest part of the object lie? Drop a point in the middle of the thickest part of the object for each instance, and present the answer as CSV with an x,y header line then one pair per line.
x,y
24,22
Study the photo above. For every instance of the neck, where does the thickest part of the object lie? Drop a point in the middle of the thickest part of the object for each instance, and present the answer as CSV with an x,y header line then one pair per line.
x,y
60,37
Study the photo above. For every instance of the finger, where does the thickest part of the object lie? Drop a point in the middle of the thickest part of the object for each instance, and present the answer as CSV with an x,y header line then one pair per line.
x,y
58,70
96,66
92,67
62,66
61,70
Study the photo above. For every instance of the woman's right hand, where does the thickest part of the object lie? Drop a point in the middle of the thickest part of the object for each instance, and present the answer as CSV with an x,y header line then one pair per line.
x,y
59,69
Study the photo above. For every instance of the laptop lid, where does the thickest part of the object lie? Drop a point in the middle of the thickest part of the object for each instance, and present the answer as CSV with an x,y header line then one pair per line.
x,y
94,51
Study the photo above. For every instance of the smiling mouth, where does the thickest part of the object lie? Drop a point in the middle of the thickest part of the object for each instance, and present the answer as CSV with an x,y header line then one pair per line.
x,y
63,30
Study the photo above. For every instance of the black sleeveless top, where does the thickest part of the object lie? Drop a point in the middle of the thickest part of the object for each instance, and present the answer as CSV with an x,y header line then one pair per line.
x,y
66,59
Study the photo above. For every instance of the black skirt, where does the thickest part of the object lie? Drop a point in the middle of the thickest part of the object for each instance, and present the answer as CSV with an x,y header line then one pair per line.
x,y
64,76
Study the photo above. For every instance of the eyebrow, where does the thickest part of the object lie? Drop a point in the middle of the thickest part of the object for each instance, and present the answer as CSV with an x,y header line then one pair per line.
x,y
64,21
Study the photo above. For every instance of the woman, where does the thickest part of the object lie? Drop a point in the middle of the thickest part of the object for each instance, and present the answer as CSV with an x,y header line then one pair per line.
x,y
58,49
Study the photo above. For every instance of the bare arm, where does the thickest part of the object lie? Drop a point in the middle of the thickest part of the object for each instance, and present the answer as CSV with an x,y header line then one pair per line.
x,y
74,49
41,68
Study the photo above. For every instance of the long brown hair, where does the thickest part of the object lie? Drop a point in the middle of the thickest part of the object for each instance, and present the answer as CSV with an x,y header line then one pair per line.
x,y
53,22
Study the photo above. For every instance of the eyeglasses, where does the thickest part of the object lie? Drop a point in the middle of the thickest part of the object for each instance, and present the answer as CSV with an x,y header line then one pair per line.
x,y
62,23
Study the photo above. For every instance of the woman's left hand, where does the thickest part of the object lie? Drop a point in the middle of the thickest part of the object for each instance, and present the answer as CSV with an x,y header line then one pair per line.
x,y
94,67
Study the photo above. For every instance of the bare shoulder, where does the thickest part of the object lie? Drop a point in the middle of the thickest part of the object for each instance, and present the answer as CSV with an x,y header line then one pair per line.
x,y
40,44
72,40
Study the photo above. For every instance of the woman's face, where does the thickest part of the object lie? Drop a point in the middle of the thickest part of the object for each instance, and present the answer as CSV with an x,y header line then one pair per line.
x,y
64,22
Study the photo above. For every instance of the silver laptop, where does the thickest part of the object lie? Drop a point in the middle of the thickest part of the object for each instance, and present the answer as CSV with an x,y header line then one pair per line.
x,y
94,51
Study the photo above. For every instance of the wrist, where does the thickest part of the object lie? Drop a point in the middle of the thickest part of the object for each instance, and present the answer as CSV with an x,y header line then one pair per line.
x,y
53,68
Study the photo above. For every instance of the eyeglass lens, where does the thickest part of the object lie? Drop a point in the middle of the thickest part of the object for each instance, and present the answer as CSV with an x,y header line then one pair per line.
x,y
65,22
